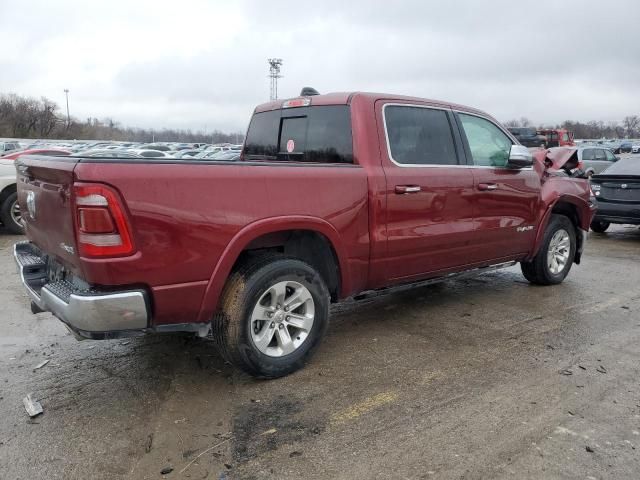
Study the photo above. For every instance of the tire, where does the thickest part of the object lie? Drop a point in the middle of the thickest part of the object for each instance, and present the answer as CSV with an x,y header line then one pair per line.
x,y
540,270
239,333
599,226
8,214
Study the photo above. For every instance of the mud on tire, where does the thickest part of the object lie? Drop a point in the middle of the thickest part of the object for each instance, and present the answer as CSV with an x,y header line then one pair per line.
x,y
234,327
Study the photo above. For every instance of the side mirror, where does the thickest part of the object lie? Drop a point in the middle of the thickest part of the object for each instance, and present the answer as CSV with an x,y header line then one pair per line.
x,y
519,157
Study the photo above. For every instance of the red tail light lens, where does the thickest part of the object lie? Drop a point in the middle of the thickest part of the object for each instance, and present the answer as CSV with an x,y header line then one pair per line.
x,y
101,224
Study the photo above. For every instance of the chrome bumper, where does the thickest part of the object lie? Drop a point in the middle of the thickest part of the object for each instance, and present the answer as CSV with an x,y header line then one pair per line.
x,y
82,310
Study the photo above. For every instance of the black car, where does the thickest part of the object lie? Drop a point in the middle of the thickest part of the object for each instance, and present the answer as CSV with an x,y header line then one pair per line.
x,y
528,136
617,191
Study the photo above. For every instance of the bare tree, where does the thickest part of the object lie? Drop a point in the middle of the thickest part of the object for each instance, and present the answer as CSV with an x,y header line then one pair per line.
x,y
631,124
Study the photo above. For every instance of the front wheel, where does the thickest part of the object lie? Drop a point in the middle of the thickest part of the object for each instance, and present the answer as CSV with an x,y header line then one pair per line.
x,y
273,313
599,226
553,261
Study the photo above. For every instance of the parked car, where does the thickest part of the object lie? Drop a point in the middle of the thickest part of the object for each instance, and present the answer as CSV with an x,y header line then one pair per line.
x,y
635,148
335,195
156,146
625,147
229,155
108,153
595,159
528,136
51,152
186,153
10,214
557,137
617,191
8,147
141,152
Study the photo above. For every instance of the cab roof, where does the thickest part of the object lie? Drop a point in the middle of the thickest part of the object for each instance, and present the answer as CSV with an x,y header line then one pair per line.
x,y
346,98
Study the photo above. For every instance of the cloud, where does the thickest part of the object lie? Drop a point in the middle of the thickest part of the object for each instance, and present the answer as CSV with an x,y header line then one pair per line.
x,y
203,63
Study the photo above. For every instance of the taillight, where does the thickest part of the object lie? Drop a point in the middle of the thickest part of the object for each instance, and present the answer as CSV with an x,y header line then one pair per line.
x,y
101,224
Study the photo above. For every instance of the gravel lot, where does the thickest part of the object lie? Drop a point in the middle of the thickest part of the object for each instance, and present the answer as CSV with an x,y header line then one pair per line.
x,y
479,378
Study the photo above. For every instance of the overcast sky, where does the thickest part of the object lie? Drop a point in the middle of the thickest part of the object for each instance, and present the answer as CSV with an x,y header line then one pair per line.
x,y
198,63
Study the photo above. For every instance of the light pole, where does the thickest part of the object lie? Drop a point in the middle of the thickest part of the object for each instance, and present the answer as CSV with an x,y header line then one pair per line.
x,y
66,92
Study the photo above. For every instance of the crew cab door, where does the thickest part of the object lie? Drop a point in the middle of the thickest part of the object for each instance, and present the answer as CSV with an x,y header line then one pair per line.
x,y
429,211
505,200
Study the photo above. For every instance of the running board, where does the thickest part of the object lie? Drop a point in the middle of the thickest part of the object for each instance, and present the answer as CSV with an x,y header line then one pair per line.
x,y
422,283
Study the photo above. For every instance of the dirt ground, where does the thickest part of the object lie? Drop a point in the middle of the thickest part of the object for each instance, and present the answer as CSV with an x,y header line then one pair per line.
x,y
479,378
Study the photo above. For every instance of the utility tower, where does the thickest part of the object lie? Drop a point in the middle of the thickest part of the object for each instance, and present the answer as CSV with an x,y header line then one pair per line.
x,y
274,75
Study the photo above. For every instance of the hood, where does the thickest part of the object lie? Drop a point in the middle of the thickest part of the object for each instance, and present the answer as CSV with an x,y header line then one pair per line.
x,y
557,158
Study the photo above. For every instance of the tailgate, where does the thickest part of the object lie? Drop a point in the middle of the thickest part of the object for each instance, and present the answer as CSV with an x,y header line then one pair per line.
x,y
44,195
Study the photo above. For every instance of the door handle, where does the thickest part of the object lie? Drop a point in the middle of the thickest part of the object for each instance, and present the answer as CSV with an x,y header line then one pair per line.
x,y
487,186
402,189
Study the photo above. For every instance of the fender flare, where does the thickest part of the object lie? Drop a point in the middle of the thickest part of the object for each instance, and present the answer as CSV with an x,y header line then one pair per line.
x,y
544,221
262,227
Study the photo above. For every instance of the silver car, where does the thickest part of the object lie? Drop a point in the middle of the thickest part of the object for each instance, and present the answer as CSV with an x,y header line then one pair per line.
x,y
595,159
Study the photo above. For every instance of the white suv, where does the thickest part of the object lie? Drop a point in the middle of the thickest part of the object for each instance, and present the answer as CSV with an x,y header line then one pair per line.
x,y
9,208
8,147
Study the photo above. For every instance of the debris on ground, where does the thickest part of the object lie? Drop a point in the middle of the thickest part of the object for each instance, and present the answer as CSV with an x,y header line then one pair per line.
x,y
601,369
581,367
166,470
269,432
32,406
40,365
588,449
565,371
149,445
295,453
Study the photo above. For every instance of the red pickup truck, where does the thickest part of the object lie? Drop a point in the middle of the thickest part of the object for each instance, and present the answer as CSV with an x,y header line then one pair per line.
x,y
334,195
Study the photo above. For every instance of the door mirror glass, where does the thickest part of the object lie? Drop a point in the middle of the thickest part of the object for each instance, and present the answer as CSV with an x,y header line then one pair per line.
x,y
519,157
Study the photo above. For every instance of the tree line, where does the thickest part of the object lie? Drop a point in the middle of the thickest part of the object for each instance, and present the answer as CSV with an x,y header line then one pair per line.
x,y
628,128
27,117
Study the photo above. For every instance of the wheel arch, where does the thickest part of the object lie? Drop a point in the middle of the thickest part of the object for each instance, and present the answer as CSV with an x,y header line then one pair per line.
x,y
309,238
578,213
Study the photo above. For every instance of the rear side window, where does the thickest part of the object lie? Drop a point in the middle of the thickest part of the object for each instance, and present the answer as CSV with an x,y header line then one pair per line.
x,y
306,134
419,136
600,155
588,154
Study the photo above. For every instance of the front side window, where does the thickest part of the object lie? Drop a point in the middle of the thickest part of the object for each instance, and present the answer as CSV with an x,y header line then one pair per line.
x,y
610,156
489,146
419,136
565,137
306,134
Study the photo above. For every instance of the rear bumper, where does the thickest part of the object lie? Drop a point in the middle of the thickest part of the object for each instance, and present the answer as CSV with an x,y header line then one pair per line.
x,y
89,313
618,212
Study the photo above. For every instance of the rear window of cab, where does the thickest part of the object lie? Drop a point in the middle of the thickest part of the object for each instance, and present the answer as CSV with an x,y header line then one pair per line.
x,y
319,134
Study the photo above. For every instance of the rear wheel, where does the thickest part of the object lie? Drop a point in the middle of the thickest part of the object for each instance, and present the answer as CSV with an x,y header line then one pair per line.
x,y
11,215
554,259
599,226
274,312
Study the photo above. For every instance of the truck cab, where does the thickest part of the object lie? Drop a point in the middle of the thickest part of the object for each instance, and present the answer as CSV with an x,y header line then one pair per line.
x,y
557,137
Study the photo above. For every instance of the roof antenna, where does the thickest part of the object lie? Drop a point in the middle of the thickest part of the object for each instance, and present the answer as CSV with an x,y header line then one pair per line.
x,y
308,92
